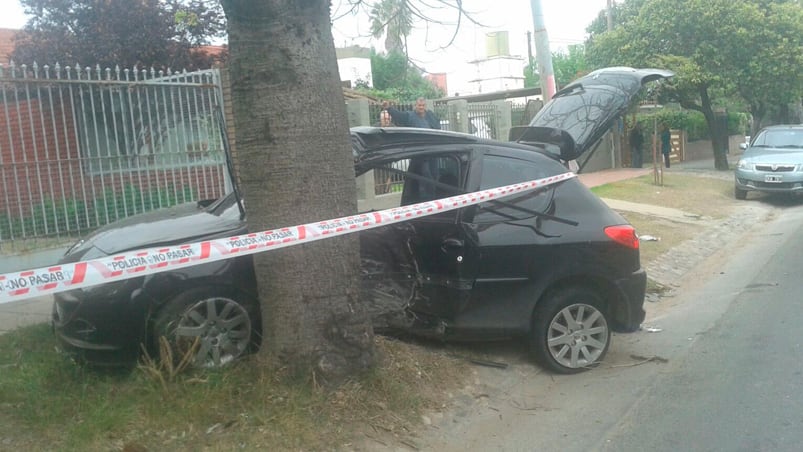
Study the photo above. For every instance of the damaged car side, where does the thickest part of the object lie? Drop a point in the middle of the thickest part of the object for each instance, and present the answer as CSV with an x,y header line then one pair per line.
x,y
555,266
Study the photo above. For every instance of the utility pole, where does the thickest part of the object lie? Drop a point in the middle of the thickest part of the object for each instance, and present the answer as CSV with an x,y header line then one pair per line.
x,y
616,138
542,53
609,15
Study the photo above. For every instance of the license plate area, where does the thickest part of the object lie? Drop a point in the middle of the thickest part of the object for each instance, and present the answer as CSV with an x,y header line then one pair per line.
x,y
773,179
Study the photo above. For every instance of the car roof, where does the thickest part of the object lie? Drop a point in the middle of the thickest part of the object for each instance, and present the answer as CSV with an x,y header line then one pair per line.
x,y
784,126
374,138
370,139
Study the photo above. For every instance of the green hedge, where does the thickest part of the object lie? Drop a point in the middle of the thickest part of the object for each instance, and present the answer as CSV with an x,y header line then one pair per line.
x,y
693,122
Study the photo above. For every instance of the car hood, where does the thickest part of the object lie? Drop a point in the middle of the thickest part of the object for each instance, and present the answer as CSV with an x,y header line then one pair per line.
x,y
773,155
587,107
178,224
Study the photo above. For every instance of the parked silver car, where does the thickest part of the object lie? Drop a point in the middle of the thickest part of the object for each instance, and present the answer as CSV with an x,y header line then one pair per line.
x,y
772,162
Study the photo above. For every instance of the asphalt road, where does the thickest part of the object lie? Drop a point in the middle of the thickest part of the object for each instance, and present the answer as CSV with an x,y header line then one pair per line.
x,y
738,387
720,371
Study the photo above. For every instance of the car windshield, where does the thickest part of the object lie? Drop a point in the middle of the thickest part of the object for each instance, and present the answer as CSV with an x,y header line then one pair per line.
x,y
783,138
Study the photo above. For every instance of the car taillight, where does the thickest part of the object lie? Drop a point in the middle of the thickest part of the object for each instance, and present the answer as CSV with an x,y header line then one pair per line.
x,y
623,234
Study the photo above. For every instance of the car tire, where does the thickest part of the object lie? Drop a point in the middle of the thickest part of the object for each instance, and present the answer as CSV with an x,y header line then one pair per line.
x,y
570,331
224,326
738,193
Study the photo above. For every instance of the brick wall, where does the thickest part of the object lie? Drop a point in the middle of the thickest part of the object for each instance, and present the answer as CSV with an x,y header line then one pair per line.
x,y
40,160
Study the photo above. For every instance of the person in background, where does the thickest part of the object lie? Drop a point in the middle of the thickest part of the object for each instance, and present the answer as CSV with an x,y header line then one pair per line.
x,y
419,117
636,144
666,144
385,119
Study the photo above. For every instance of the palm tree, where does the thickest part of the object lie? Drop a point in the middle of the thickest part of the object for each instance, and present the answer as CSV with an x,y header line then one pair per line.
x,y
394,19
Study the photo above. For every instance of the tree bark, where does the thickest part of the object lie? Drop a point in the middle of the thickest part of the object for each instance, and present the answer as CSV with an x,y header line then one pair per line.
x,y
296,167
718,134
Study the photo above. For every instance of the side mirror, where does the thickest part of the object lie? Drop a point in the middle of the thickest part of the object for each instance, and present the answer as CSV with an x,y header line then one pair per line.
x,y
743,146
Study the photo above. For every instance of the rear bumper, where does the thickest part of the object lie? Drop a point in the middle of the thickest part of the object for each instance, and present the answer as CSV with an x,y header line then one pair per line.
x,y
630,314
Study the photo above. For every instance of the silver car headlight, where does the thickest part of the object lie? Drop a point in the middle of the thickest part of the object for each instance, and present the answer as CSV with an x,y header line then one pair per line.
x,y
744,165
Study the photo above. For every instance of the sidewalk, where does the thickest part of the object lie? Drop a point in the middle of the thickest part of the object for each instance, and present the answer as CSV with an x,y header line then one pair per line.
x,y
25,312
611,175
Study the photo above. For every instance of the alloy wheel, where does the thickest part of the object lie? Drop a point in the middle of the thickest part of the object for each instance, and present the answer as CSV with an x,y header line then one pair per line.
x,y
221,328
577,336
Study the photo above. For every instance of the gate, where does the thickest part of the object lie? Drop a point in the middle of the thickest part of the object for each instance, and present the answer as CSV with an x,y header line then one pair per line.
x,y
83,147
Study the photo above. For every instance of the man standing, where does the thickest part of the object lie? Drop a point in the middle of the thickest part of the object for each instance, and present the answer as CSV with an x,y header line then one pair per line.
x,y
666,144
636,143
420,117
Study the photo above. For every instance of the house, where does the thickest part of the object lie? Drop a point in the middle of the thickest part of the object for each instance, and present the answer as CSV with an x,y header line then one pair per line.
x,y
7,37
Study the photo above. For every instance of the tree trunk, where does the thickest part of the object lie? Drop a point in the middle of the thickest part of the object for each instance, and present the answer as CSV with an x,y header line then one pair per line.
x,y
718,131
294,155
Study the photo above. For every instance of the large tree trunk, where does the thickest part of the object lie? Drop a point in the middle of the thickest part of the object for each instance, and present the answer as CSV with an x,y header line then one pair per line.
x,y
294,156
718,131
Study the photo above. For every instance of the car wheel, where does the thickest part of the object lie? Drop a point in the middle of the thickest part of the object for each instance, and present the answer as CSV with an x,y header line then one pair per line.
x,y
222,327
739,193
570,331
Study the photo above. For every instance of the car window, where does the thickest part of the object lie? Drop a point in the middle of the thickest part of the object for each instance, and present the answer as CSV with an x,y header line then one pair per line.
x,y
498,171
408,181
437,177
787,138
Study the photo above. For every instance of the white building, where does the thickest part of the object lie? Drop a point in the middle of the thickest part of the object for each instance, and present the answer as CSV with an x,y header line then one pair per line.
x,y
498,71
354,65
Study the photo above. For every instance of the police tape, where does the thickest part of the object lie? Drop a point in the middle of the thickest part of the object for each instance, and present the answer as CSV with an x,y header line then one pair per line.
x,y
58,278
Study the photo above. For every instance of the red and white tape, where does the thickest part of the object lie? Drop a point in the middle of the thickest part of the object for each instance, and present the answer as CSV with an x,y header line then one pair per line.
x,y
46,280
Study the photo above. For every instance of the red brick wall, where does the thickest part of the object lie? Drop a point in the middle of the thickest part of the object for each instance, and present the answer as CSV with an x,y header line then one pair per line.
x,y
40,160
33,151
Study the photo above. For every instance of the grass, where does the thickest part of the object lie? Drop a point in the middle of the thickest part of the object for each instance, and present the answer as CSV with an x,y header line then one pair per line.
x,y
669,233
705,196
49,403
698,195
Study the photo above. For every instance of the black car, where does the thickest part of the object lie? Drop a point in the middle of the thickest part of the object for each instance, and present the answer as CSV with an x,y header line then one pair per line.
x,y
555,265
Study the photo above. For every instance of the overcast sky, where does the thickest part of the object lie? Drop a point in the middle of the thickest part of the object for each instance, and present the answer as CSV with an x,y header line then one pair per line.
x,y
565,22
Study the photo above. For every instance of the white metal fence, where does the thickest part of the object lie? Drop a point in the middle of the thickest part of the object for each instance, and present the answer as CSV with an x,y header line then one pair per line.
x,y
82,147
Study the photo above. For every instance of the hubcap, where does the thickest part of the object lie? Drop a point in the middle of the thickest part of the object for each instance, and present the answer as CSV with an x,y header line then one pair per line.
x,y
577,336
221,326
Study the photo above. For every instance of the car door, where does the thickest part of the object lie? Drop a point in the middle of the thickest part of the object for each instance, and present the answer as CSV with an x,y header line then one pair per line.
x,y
512,238
433,257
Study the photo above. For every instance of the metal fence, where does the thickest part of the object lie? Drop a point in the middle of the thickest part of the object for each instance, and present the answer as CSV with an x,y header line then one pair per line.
x,y
483,117
82,147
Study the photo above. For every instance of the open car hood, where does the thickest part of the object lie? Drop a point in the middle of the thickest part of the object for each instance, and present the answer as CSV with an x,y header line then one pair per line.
x,y
587,107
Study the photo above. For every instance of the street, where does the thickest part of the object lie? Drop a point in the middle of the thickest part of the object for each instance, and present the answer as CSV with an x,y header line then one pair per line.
x,y
716,368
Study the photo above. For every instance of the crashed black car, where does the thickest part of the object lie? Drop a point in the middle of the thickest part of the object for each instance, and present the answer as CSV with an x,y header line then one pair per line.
x,y
555,266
